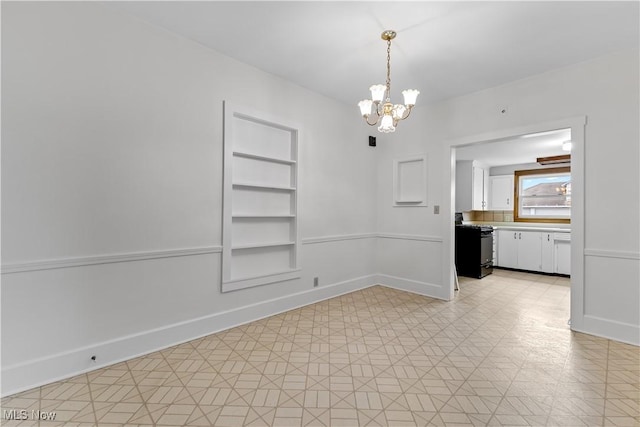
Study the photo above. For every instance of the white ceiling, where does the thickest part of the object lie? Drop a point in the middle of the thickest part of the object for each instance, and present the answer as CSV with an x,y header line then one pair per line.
x,y
516,151
444,49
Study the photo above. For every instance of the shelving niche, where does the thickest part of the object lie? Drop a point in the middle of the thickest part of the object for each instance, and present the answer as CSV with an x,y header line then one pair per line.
x,y
260,200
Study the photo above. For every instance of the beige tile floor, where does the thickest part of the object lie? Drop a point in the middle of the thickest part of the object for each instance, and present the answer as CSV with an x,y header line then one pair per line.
x,y
499,354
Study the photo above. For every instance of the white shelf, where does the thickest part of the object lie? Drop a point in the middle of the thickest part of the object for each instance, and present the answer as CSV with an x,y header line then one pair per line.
x,y
264,187
293,270
262,245
263,279
265,158
257,216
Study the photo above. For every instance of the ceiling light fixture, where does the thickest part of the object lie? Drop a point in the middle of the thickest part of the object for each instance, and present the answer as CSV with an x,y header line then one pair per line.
x,y
567,145
387,114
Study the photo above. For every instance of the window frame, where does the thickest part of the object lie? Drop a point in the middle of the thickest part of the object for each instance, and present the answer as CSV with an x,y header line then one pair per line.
x,y
516,185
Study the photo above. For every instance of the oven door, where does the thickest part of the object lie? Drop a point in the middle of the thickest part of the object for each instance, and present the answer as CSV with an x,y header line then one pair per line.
x,y
486,248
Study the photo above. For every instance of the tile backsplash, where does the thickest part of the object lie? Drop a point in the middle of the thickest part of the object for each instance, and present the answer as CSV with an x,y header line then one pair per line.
x,y
494,216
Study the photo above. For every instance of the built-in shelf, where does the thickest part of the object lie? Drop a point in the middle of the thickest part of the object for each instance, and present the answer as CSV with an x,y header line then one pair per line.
x,y
264,187
266,158
265,279
261,245
258,216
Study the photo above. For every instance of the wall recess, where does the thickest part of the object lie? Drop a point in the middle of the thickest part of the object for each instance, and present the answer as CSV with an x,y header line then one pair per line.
x,y
260,242
410,181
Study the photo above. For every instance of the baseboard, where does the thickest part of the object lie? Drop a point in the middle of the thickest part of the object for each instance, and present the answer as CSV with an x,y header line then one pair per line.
x,y
414,286
33,373
610,329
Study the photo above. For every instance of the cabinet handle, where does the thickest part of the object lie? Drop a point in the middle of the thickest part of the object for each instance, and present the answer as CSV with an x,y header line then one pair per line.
x,y
520,236
548,237
507,201
514,235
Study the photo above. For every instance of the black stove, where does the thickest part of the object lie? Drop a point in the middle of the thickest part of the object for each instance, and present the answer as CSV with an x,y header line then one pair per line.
x,y
474,250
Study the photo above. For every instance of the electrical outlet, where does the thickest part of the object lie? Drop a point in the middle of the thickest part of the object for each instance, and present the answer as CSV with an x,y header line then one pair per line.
x,y
315,282
436,209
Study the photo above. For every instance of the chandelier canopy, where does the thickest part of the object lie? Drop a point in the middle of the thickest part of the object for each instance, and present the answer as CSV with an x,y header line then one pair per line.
x,y
386,113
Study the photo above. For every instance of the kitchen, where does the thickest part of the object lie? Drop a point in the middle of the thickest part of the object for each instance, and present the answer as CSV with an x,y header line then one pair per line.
x,y
513,205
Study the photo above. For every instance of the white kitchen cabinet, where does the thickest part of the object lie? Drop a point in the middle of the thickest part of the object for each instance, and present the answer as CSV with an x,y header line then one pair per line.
x,y
501,192
520,249
562,253
507,248
542,251
472,186
547,264
530,250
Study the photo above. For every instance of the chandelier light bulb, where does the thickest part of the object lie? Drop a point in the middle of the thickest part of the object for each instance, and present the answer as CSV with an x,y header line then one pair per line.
x,y
410,96
365,107
386,124
377,92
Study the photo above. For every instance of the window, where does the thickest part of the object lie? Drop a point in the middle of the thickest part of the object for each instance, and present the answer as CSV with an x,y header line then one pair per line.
x,y
543,195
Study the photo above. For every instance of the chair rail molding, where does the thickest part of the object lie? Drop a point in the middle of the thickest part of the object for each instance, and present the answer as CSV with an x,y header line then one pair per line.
x,y
51,264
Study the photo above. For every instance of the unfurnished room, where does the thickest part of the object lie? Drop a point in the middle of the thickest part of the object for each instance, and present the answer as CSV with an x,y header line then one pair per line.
x,y
310,213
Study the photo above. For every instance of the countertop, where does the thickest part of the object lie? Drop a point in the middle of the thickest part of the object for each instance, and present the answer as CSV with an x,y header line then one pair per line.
x,y
519,226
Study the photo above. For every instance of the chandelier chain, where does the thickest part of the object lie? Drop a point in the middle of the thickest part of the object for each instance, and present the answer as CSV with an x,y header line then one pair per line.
x,y
388,70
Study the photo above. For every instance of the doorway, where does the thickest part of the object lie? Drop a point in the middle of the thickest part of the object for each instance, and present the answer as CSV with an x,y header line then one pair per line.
x,y
575,128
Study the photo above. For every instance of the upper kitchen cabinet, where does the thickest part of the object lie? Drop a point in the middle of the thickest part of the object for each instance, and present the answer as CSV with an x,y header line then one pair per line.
x,y
472,186
501,192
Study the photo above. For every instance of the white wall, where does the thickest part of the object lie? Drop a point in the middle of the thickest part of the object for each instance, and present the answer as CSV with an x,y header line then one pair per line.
x,y
604,90
112,151
410,257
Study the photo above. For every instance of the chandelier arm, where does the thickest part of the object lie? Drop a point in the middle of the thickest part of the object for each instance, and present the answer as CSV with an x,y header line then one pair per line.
x,y
366,119
377,112
408,112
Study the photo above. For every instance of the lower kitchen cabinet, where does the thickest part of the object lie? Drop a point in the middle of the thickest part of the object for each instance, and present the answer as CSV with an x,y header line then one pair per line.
x,y
507,249
548,252
562,253
538,251
520,249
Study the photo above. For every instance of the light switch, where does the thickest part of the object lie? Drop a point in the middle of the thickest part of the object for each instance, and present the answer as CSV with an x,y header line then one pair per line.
x,y
436,209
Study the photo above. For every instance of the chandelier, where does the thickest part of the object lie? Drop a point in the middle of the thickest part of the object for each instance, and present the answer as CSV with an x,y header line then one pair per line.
x,y
387,114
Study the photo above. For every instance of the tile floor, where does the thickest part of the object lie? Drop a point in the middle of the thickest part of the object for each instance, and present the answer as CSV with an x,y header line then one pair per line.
x,y
499,354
